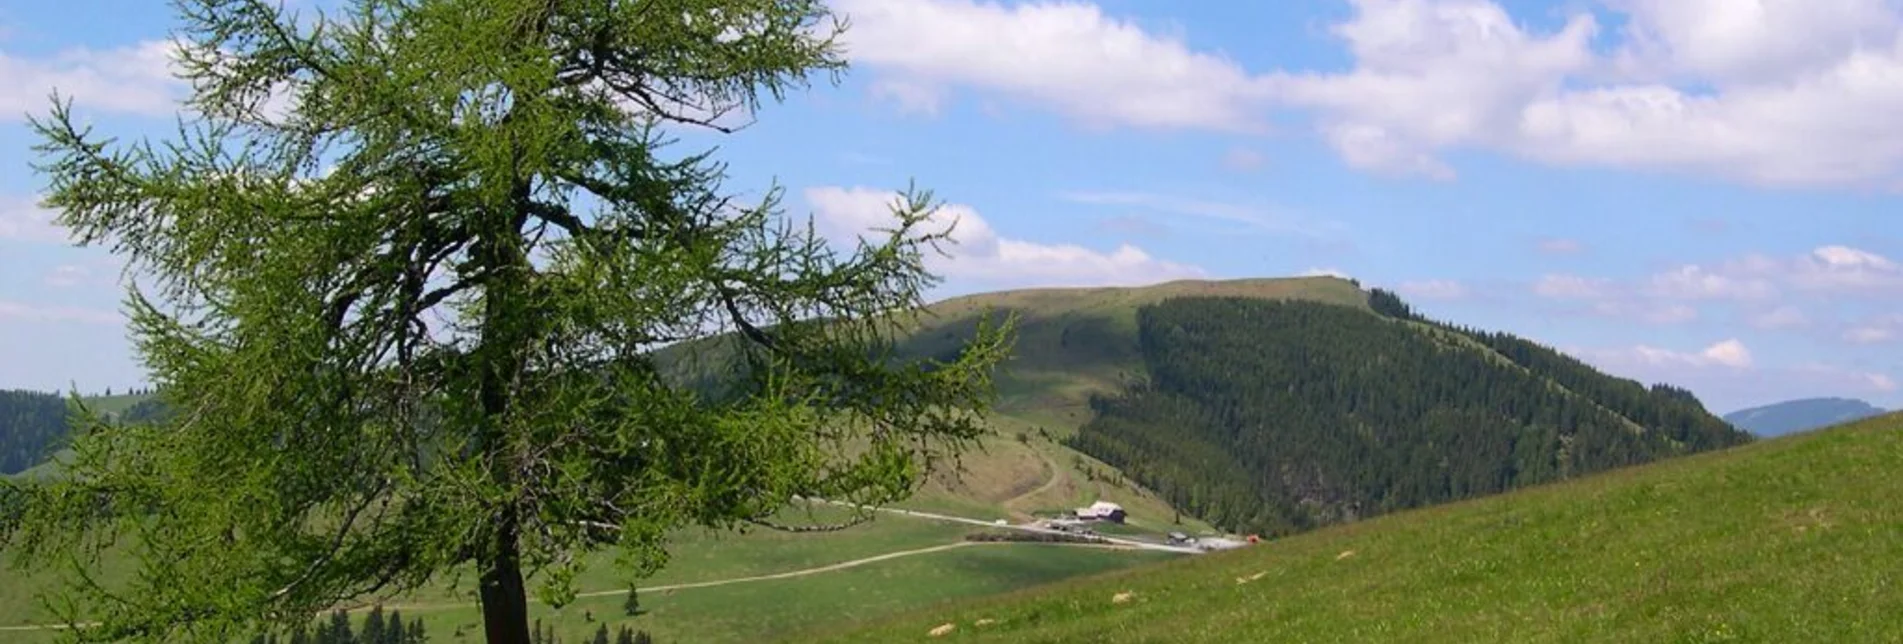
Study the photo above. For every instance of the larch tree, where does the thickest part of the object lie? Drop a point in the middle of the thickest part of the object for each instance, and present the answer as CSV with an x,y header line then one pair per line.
x,y
418,279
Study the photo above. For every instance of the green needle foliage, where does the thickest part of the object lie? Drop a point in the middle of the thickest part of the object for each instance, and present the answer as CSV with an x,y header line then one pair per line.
x,y
409,266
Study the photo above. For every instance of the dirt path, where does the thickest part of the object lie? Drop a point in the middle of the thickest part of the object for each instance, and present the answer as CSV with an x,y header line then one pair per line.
x,y
1112,543
791,573
1057,476
609,593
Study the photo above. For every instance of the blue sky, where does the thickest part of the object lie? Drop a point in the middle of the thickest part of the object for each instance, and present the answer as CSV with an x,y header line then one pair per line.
x,y
1699,192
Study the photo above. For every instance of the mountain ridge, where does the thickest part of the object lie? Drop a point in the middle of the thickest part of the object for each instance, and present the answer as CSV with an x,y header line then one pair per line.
x,y
1801,414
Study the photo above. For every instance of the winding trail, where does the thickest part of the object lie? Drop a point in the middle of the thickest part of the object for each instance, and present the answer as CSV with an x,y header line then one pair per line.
x,y
1057,476
1111,542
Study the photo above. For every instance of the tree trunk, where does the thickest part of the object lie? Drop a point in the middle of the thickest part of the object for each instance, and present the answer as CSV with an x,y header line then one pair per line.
x,y
505,609
505,604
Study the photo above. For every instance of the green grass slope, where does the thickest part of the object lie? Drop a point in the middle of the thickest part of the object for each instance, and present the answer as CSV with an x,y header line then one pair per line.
x,y
1788,540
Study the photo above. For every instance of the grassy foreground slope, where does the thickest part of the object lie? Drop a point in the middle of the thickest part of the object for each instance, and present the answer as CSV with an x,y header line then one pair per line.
x,y
1795,539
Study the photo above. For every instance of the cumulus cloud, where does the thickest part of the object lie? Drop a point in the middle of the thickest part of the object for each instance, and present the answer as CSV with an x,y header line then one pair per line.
x,y
1766,289
22,219
981,254
1429,75
1068,55
1728,354
1774,92
135,79
1826,269
1692,282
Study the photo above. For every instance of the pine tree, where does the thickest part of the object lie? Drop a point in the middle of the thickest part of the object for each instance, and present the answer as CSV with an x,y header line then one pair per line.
x,y
372,626
631,605
626,636
446,229
416,634
340,631
601,634
394,629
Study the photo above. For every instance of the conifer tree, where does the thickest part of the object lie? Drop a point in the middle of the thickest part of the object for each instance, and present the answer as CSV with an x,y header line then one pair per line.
x,y
415,265
373,626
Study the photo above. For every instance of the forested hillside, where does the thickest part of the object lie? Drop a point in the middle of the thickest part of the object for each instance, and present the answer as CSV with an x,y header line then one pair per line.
x,y
35,426
1280,416
32,425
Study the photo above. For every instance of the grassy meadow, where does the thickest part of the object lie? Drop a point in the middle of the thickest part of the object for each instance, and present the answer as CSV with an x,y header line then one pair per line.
x,y
1787,540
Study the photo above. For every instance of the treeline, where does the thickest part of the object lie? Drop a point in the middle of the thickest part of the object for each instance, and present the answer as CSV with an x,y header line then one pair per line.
x,y
1662,407
377,629
34,425
1282,416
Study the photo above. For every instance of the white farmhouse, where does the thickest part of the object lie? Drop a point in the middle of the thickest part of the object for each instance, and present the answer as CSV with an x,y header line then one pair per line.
x,y
1102,511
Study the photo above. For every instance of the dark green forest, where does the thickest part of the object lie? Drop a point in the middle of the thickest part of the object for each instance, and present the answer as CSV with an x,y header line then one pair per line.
x,y
1282,416
32,426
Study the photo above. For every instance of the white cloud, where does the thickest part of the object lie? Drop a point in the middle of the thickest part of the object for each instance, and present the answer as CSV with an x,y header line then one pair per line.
x,y
1430,75
1065,55
1781,92
1755,41
49,313
1775,92
1727,354
136,79
22,219
1433,289
1877,330
1763,287
980,253
1880,382
1692,282
1323,272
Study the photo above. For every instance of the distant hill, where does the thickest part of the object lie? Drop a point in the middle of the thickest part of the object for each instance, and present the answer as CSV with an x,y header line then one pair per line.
x,y
1786,540
1800,415
1279,405
34,426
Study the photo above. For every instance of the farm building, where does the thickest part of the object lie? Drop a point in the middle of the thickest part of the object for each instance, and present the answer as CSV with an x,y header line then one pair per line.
x,y
1102,511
